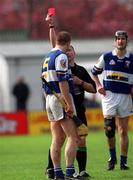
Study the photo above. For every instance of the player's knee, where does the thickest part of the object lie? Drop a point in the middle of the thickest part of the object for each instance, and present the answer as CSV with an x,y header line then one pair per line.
x,y
109,126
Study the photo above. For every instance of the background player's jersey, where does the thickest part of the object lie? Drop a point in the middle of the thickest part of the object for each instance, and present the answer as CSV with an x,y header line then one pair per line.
x,y
56,69
117,72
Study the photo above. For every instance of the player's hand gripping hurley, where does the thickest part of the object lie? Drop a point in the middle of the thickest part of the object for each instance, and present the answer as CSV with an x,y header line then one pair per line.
x,y
82,128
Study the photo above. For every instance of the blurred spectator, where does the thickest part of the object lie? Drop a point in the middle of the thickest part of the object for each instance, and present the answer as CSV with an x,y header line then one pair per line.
x,y
21,92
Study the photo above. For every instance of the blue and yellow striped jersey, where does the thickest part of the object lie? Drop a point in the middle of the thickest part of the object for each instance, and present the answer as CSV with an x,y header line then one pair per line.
x,y
55,69
117,71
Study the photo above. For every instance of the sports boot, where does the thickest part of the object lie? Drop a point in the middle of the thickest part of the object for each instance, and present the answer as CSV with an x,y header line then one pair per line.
x,y
124,167
75,176
84,175
50,173
111,164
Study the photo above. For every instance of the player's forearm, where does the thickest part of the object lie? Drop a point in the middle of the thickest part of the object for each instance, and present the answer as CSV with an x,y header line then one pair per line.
x,y
65,92
52,33
88,87
100,87
97,81
52,36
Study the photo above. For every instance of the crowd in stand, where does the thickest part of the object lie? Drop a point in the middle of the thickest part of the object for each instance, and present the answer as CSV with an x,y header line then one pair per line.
x,y
94,17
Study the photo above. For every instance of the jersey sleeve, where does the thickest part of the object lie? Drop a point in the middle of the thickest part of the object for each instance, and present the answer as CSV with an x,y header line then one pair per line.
x,y
99,66
61,66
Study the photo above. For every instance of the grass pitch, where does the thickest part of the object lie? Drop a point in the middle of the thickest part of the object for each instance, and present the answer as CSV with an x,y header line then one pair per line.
x,y
25,157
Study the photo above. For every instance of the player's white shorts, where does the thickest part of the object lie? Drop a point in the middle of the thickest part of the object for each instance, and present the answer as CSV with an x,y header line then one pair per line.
x,y
54,109
114,104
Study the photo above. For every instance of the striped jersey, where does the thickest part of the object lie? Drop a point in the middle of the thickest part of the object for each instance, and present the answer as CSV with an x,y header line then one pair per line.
x,y
55,69
117,71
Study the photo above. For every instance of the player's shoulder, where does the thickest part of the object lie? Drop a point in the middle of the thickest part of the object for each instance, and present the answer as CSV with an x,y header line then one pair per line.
x,y
62,57
57,52
108,53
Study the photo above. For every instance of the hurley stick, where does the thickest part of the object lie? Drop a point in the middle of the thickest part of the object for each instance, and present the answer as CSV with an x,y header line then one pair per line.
x,y
82,128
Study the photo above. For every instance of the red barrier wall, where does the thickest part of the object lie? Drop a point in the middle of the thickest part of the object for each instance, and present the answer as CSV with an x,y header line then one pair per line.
x,y
35,123
13,123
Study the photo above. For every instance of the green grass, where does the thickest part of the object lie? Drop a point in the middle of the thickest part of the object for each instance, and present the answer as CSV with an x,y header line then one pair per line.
x,y
25,157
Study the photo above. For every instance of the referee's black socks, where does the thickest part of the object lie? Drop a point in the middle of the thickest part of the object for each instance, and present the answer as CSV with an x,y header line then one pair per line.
x,y
81,157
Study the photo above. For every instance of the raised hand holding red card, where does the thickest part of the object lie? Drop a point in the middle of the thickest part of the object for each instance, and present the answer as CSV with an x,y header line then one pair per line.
x,y
51,11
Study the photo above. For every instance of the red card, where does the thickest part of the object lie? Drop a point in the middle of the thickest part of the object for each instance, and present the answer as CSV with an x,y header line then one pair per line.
x,y
51,11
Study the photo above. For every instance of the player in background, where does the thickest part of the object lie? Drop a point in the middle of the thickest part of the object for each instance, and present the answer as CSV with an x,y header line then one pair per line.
x,y
82,82
117,69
